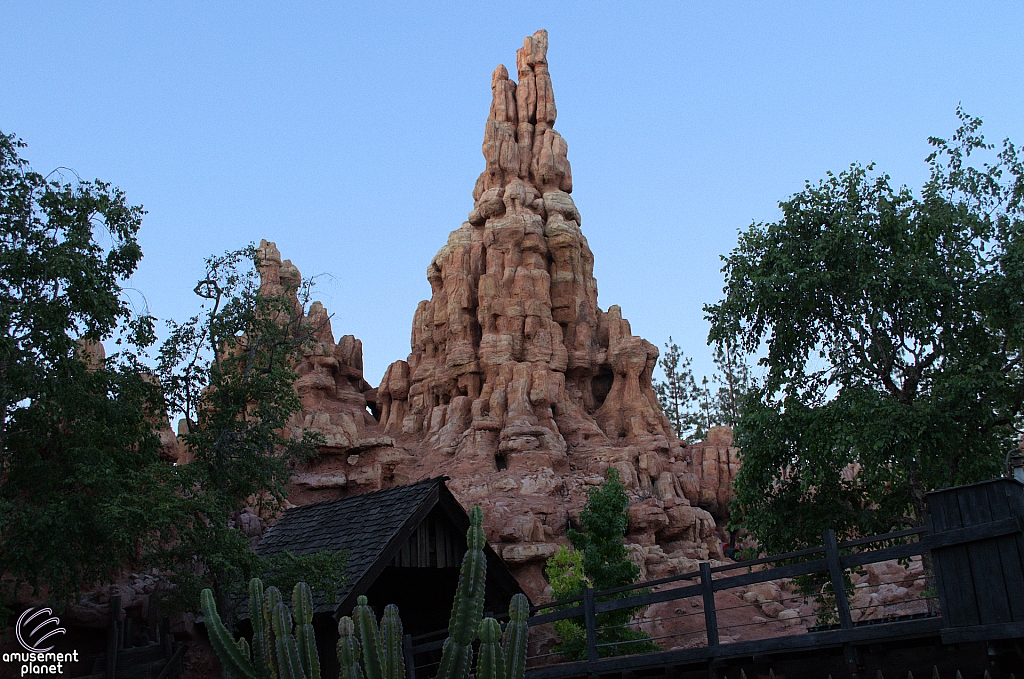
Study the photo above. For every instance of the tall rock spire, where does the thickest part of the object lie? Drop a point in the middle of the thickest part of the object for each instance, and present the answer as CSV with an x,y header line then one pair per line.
x,y
513,363
517,386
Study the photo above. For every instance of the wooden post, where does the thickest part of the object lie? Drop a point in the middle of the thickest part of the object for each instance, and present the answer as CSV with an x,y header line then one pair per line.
x,y
838,583
591,623
112,635
165,637
410,658
710,616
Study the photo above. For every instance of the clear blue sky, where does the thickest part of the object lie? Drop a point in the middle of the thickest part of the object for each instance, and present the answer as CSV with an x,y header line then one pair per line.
x,y
350,135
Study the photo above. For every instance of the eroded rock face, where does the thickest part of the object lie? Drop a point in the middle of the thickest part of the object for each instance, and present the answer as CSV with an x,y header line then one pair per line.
x,y
715,463
336,401
518,386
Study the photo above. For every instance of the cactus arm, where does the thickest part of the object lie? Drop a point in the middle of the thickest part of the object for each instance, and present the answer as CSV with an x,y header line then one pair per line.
x,y
369,638
243,646
305,638
393,660
237,665
467,610
271,598
288,662
491,661
516,635
348,650
259,635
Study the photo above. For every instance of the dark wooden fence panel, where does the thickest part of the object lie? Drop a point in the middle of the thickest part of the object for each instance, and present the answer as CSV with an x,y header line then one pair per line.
x,y
1005,502
952,564
983,557
980,582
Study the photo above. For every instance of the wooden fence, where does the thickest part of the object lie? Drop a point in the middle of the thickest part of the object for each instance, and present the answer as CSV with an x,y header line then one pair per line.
x,y
159,658
973,536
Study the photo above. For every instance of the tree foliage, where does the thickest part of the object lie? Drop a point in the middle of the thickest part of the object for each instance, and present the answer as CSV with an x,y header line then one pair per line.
x,y
599,560
229,371
80,475
892,325
84,495
678,392
733,380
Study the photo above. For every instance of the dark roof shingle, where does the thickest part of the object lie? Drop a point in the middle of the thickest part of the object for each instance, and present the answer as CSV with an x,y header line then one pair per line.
x,y
361,525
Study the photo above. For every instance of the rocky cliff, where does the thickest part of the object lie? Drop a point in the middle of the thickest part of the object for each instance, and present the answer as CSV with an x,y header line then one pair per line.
x,y
518,385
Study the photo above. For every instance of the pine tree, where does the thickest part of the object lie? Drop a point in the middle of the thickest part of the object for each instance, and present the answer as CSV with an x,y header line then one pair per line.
x,y
733,379
678,392
599,550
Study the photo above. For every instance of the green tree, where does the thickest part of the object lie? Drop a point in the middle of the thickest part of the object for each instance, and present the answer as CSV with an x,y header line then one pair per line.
x,y
229,371
80,474
84,495
600,560
692,410
733,379
892,324
677,392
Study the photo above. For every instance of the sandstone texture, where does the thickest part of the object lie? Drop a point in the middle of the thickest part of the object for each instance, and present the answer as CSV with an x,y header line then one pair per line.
x,y
337,402
715,463
518,386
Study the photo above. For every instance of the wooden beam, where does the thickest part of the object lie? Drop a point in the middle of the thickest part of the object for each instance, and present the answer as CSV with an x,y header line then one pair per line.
x,y
960,635
591,623
983,531
710,617
887,554
835,571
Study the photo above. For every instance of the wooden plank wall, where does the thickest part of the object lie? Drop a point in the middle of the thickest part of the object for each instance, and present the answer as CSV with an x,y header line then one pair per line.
x,y
436,543
982,582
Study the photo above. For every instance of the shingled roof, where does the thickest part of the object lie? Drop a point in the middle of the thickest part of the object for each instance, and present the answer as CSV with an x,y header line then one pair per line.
x,y
370,528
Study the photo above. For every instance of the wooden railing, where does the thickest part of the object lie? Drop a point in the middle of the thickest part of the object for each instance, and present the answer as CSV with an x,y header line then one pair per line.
x,y
832,559
158,659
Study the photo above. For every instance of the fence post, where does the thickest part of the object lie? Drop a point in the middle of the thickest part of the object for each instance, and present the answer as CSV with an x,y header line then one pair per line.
x,y
836,573
710,616
165,637
591,623
112,635
410,658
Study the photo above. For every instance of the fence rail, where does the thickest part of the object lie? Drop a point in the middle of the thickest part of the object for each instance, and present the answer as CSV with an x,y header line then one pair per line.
x,y
832,559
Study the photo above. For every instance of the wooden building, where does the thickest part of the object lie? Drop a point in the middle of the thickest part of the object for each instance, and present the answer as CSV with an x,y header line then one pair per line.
x,y
404,546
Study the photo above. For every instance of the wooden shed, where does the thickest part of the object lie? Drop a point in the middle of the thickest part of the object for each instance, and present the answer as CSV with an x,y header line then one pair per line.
x,y
404,546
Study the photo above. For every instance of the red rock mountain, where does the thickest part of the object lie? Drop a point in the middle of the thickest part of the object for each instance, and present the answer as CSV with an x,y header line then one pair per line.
x,y
518,386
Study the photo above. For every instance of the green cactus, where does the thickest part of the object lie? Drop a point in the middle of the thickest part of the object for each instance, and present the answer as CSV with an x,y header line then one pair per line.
x,y
348,650
288,662
392,653
491,662
260,650
468,607
513,643
305,638
234,658
366,651
271,598
369,638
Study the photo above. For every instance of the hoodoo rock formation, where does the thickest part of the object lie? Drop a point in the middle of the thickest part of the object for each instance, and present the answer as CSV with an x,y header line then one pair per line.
x,y
518,387
336,401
